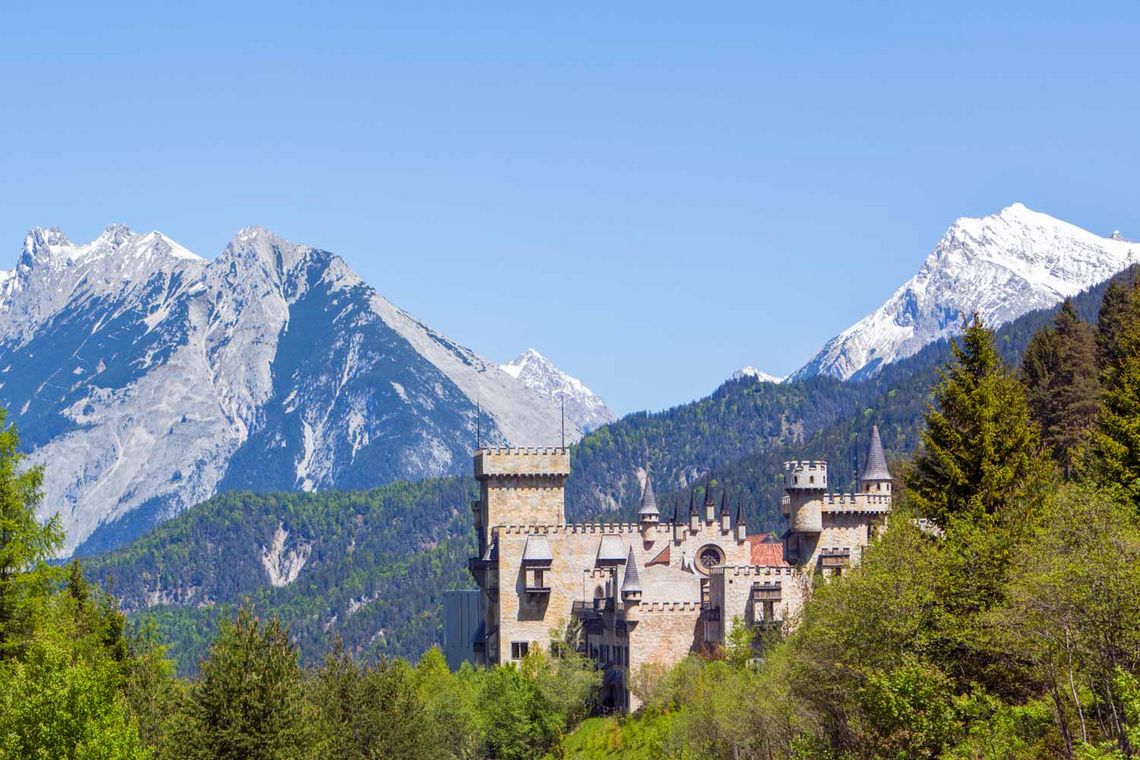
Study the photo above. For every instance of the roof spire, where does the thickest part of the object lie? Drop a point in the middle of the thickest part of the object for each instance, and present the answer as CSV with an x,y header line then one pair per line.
x,y
676,509
724,501
631,582
692,502
708,491
740,512
875,468
648,505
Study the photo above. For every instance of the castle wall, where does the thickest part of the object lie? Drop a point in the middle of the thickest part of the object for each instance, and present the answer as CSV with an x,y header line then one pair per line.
x,y
573,575
731,590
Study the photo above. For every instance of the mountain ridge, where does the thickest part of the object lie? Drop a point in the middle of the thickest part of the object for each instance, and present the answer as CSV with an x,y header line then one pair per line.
x,y
149,378
1002,266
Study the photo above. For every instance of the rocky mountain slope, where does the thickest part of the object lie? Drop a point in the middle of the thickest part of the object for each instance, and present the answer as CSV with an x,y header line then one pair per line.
x,y
584,408
147,378
1001,266
369,567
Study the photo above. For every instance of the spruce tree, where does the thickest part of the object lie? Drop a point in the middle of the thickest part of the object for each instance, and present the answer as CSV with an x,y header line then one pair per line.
x,y
24,541
1063,384
980,454
1111,319
1116,440
248,703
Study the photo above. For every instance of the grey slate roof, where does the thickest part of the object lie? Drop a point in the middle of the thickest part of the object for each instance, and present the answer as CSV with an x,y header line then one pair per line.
x,y
611,550
537,551
875,468
631,581
648,498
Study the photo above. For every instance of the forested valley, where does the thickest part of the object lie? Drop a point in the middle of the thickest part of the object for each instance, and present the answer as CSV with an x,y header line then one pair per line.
x,y
997,616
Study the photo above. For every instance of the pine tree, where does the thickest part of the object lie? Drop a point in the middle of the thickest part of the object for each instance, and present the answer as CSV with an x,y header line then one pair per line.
x,y
980,454
1111,319
248,702
1062,383
1116,440
24,541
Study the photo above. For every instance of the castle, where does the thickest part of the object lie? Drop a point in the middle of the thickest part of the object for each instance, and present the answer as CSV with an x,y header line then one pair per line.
x,y
652,591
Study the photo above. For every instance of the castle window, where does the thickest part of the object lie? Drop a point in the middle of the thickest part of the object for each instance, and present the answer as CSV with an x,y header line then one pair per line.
x,y
709,557
519,649
811,479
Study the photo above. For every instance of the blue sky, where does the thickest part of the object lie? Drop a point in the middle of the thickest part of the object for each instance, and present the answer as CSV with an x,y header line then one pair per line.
x,y
652,194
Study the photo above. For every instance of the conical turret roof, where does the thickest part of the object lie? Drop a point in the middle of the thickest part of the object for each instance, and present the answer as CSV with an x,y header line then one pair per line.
x,y
692,502
648,499
875,468
631,582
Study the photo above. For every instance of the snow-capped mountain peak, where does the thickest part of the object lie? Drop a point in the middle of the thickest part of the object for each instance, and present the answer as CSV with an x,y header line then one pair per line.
x,y
146,378
583,407
759,374
1000,266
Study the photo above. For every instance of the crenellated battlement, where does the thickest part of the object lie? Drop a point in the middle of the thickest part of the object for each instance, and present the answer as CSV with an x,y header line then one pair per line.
x,y
666,607
849,501
754,570
546,460
808,474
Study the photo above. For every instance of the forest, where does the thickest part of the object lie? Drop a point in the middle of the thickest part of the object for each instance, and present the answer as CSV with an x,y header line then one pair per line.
x,y
996,616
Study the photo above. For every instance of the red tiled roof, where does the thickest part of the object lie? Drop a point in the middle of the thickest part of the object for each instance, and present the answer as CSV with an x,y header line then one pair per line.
x,y
767,550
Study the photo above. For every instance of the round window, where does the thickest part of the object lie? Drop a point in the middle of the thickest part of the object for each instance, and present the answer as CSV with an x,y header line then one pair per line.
x,y
709,557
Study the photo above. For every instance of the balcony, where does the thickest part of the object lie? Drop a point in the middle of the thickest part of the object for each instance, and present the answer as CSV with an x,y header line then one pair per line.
x,y
710,613
835,559
771,592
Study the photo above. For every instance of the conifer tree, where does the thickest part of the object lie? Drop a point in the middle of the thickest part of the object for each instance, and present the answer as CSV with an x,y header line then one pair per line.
x,y
1111,319
1116,440
248,703
980,453
24,541
1062,383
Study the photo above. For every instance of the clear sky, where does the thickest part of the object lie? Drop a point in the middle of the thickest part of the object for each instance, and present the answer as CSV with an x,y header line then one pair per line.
x,y
652,194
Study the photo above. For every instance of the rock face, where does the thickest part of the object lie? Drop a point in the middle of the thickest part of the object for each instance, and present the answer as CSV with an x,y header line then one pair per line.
x,y
145,379
1001,266
583,407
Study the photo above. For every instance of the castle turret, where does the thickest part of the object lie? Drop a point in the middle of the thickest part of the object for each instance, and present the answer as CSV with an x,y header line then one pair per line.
x,y
804,487
875,478
647,514
694,517
725,517
741,530
631,582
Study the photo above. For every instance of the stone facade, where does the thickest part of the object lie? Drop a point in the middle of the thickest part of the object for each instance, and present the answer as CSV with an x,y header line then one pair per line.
x,y
650,592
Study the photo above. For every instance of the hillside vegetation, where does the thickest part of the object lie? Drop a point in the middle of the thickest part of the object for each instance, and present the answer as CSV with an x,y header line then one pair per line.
x,y
378,560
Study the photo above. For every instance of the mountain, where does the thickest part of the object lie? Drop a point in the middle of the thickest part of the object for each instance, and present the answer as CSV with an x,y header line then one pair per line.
x,y
369,567
760,375
584,408
1001,266
147,379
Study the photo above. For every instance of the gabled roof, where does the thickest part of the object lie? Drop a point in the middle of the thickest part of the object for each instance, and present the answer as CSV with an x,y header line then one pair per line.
x,y
875,468
611,550
537,551
661,559
631,582
648,498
